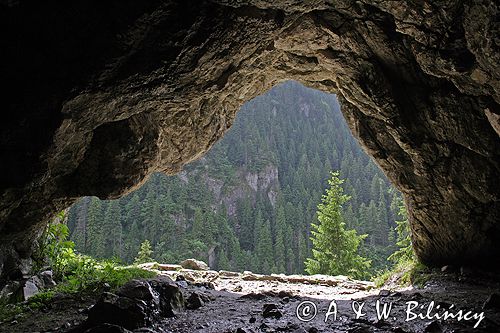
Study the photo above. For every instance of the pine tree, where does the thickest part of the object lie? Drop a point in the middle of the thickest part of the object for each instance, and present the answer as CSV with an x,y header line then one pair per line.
x,y
144,254
289,254
301,253
247,224
405,252
223,262
335,249
279,244
113,230
95,232
79,234
198,228
264,247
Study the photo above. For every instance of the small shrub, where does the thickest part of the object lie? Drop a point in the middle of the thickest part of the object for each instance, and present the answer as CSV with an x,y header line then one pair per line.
x,y
54,248
382,278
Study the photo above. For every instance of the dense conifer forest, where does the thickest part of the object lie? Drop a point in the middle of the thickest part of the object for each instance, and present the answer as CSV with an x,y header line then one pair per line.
x,y
249,203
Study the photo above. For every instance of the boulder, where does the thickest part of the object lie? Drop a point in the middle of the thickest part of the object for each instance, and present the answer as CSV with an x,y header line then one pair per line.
x,y
228,274
194,264
137,304
138,290
148,265
31,287
47,279
195,301
168,267
10,293
121,311
493,302
169,294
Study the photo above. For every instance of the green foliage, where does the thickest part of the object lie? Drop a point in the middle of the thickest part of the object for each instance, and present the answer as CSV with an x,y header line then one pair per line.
x,y
405,252
404,274
55,250
406,269
90,274
335,250
224,261
76,272
41,299
144,254
382,278
10,311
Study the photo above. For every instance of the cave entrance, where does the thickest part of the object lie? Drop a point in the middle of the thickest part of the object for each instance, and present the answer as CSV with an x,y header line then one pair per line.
x,y
248,204
147,91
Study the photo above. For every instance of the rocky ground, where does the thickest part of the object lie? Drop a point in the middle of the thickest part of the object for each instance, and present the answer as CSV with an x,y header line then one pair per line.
x,y
246,302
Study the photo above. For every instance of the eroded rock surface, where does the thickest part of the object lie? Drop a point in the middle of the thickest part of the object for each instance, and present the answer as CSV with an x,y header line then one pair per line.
x,y
137,304
100,94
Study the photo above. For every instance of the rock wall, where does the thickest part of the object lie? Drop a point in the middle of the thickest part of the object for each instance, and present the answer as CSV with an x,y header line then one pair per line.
x,y
100,94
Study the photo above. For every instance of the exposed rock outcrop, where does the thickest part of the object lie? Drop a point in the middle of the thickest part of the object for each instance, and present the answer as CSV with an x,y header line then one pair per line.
x,y
100,94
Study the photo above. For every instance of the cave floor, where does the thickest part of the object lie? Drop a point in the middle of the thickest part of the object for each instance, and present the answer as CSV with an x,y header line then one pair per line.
x,y
238,305
229,302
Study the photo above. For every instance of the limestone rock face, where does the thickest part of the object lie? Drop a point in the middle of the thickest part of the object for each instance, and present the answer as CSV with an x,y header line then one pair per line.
x,y
97,95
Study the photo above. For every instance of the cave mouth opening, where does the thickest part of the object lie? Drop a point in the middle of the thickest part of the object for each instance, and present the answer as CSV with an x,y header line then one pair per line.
x,y
100,96
248,204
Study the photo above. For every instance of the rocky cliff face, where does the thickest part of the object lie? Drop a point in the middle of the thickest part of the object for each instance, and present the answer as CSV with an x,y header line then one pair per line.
x,y
247,187
101,94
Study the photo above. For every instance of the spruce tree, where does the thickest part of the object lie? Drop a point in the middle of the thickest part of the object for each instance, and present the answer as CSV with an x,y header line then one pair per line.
x,y
335,249
405,252
95,233
144,254
264,248
223,261
279,244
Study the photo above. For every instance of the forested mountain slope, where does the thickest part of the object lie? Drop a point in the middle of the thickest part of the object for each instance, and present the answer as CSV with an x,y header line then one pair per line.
x,y
248,204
